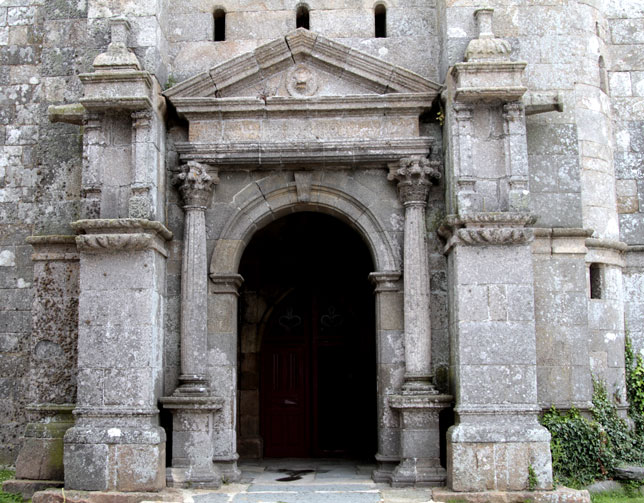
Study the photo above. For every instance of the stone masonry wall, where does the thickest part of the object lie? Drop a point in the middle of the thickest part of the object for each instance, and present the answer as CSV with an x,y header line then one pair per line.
x,y
410,23
43,46
626,83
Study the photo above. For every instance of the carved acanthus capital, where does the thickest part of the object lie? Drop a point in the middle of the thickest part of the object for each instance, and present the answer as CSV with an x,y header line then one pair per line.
x,y
195,184
415,175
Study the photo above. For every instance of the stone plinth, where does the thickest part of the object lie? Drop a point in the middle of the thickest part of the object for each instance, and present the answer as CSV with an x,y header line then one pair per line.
x,y
420,440
117,443
40,461
192,425
560,495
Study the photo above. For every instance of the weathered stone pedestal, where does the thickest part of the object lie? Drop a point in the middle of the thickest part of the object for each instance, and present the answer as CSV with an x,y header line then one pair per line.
x,y
40,461
192,426
117,443
420,440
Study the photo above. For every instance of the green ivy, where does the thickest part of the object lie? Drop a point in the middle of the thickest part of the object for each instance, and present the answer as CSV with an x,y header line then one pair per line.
x,y
625,442
580,448
635,386
586,449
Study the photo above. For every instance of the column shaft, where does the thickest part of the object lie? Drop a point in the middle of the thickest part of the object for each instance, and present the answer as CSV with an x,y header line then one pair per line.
x,y
195,186
418,364
194,277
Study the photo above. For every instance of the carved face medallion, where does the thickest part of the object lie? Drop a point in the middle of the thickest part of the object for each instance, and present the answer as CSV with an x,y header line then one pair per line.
x,y
301,81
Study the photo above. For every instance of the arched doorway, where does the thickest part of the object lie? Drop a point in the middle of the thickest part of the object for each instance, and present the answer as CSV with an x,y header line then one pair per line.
x,y
307,358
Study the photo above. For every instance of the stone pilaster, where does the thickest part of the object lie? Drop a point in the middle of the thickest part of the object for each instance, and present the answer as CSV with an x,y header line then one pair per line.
x,y
222,368
116,442
52,364
191,404
419,403
390,367
497,439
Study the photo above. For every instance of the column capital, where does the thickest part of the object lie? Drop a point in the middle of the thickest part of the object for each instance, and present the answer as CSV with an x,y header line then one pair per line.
x,y
415,175
195,184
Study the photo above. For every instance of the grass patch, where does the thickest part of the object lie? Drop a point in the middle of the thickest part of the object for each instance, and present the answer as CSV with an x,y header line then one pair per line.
x,y
617,496
8,497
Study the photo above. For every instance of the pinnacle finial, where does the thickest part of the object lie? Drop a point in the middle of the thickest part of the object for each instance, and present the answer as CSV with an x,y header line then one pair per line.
x,y
487,47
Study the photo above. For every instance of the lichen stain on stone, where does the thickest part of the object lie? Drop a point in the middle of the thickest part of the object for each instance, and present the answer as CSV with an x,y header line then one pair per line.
x,y
7,258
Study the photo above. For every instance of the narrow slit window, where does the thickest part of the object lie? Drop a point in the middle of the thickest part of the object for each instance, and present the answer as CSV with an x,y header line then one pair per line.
x,y
220,25
380,17
302,17
596,285
603,77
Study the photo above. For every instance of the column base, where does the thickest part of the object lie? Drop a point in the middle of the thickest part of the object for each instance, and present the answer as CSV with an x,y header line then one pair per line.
x,y
419,472
128,459
385,470
419,439
192,385
227,466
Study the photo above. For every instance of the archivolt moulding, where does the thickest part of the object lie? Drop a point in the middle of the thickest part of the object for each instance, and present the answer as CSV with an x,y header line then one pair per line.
x,y
263,208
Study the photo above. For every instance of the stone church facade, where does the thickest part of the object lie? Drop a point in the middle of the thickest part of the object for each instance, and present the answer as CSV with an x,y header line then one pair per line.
x,y
396,230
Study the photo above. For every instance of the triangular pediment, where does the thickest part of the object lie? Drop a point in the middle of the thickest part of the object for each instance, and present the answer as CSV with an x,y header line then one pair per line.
x,y
302,64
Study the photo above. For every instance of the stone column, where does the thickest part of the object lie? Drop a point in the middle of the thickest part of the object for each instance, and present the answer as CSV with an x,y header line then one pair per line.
x,y
191,404
419,403
195,186
414,176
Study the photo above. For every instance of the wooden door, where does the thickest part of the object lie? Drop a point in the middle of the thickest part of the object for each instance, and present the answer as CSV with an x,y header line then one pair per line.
x,y
285,404
318,377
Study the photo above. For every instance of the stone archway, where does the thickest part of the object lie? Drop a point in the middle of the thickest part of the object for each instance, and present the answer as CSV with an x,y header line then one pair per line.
x,y
307,362
257,206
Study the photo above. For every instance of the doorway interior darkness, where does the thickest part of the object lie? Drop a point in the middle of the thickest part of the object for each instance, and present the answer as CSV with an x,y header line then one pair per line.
x,y
307,356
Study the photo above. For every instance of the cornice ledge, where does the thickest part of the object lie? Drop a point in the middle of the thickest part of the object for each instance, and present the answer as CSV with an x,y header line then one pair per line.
x,y
386,281
232,155
123,234
608,244
481,229
121,225
53,247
